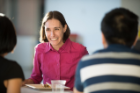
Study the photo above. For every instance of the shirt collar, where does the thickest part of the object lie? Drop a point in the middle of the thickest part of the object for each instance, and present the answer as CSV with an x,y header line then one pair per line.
x,y
48,47
117,46
65,47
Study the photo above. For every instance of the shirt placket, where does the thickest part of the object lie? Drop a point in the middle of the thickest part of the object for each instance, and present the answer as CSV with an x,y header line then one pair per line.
x,y
58,66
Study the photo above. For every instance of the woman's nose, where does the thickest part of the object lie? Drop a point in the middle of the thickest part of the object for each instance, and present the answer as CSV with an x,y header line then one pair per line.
x,y
52,33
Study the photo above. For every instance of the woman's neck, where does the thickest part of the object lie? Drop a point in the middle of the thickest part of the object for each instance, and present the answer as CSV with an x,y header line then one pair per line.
x,y
58,47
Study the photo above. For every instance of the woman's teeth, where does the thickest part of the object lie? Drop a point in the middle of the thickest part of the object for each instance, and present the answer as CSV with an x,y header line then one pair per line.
x,y
54,39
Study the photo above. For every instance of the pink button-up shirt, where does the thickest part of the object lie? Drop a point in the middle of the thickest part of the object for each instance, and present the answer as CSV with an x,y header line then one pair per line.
x,y
50,64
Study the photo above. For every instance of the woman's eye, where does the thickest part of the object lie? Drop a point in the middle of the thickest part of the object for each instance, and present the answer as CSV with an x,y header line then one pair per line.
x,y
56,29
47,29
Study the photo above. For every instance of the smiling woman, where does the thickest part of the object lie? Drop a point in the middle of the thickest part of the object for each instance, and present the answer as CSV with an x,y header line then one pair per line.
x,y
54,32
56,57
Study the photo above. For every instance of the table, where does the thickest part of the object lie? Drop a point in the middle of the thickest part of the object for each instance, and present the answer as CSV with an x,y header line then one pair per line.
x,y
26,89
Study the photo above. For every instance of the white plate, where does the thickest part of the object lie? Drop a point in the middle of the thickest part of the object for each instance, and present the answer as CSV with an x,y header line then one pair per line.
x,y
40,86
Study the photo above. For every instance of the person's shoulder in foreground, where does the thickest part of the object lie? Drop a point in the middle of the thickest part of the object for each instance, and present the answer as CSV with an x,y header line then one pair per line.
x,y
11,69
107,69
117,67
11,72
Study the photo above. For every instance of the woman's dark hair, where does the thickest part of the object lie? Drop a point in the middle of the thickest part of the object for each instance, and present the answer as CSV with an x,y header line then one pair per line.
x,y
120,26
53,15
8,37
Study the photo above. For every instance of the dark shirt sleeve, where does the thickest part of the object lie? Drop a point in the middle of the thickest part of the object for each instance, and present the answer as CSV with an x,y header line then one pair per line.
x,y
78,84
15,71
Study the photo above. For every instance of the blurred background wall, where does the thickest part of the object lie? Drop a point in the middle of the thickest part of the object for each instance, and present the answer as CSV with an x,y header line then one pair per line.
x,y
83,17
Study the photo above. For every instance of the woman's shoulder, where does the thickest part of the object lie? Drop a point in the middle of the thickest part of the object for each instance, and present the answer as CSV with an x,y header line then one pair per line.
x,y
42,46
77,46
12,63
7,61
12,69
9,64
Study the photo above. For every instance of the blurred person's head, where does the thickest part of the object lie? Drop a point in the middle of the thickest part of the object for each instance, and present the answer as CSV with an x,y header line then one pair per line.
x,y
54,28
119,26
8,37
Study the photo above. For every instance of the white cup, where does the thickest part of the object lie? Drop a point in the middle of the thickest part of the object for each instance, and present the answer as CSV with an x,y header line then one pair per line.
x,y
58,86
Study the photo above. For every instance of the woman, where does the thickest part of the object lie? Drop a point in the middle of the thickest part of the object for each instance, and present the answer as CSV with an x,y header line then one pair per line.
x,y
56,57
11,74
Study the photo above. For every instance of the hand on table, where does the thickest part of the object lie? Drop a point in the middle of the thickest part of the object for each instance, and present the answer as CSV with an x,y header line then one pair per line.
x,y
27,81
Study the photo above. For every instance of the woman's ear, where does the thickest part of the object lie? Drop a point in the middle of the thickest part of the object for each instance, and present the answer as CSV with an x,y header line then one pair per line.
x,y
104,41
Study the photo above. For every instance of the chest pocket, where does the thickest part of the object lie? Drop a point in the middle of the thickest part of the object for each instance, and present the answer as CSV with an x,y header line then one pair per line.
x,y
74,58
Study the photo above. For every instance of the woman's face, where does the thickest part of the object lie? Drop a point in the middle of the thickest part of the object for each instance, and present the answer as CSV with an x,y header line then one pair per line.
x,y
54,32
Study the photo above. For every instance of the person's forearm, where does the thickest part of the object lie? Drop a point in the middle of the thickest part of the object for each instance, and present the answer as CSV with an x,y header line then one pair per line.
x,y
27,81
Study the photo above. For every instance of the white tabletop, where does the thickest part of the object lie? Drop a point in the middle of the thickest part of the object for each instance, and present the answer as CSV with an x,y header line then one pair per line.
x,y
29,90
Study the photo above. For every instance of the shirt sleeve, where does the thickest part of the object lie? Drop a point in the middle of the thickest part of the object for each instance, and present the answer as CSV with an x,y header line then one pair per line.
x,y
78,84
85,52
15,71
36,75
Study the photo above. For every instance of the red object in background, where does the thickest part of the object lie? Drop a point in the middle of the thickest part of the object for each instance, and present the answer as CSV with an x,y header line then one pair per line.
x,y
73,37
